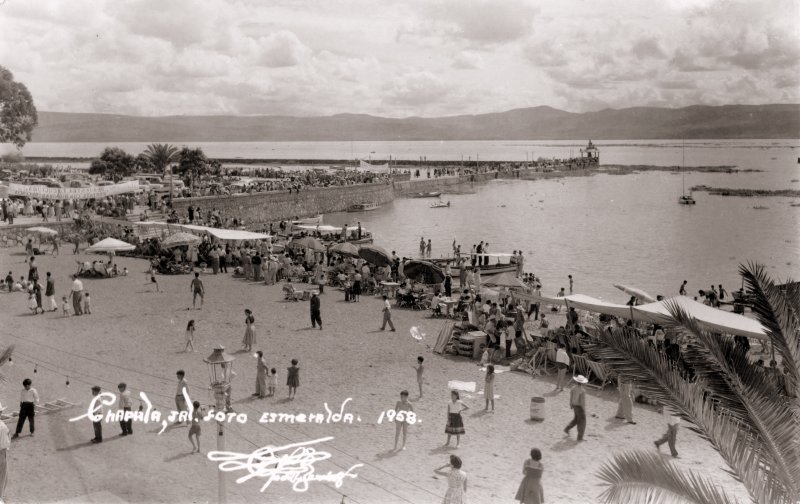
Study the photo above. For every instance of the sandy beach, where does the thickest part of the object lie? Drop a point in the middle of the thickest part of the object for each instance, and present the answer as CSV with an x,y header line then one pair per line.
x,y
137,336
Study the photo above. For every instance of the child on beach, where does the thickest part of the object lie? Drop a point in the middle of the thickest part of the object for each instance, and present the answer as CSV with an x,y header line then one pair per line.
x,y
194,430
87,304
485,357
190,336
32,304
293,378
64,306
152,274
402,425
488,389
419,369
273,382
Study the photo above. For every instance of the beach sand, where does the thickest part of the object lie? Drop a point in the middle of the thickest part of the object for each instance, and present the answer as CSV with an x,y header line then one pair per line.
x,y
137,336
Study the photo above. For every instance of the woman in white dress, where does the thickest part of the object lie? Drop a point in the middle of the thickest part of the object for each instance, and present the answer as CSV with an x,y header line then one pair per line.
x,y
456,481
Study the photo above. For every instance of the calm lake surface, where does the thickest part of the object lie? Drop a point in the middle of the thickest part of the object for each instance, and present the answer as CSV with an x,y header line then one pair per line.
x,y
602,229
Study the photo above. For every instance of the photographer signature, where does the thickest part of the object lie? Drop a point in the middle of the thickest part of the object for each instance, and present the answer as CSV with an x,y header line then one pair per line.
x,y
293,463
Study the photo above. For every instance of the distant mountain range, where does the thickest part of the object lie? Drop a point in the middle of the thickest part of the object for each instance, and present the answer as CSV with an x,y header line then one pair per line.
x,y
537,123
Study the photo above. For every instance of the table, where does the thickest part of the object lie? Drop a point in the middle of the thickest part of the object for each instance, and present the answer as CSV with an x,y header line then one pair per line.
x,y
391,286
449,303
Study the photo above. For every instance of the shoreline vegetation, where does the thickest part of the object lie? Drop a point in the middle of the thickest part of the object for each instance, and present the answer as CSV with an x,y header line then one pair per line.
x,y
747,193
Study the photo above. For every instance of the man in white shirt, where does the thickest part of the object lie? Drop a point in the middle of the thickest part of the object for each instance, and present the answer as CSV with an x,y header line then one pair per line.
x,y
387,314
5,444
77,291
562,361
28,398
125,404
669,437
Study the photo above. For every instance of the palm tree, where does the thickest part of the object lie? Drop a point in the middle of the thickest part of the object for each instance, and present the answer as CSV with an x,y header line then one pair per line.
x,y
161,155
749,415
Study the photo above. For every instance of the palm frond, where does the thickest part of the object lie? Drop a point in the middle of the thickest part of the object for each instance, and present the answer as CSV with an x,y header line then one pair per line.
x,y
744,393
648,477
779,312
658,379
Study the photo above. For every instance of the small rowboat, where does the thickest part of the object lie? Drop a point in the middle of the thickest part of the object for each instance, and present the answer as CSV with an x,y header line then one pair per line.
x,y
427,194
440,204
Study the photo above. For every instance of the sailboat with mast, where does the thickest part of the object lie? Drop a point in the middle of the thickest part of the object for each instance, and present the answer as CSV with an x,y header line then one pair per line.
x,y
684,199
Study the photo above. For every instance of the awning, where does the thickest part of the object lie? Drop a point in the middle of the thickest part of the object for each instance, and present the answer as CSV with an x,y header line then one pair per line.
x,y
219,233
710,319
582,302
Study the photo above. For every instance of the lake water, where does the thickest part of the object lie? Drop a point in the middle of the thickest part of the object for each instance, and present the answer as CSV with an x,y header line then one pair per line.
x,y
603,229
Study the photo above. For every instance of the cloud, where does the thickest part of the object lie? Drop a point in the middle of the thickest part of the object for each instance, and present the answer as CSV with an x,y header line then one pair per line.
x,y
648,48
479,22
467,60
281,49
416,88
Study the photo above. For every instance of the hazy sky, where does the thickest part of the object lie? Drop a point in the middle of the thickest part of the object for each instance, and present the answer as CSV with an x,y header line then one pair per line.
x,y
398,58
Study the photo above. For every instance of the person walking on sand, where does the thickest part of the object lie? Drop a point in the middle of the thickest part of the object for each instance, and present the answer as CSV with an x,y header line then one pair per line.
x,y
420,369
190,336
293,378
77,293
387,314
455,424
669,437
97,420
422,247
197,290
125,404
625,407
249,331
562,362
456,481
28,399
488,388
261,376
180,400
316,314
530,490
5,444
50,293
195,429
577,401
401,424
428,248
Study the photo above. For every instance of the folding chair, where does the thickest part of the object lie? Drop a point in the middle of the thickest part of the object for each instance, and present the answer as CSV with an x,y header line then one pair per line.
x,y
600,372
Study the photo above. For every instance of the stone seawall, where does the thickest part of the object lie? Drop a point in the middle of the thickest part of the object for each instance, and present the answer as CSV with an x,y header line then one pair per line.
x,y
441,184
261,208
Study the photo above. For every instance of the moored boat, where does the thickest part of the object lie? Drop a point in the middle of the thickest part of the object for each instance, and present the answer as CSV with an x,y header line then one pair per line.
x,y
440,204
308,220
362,207
489,264
434,194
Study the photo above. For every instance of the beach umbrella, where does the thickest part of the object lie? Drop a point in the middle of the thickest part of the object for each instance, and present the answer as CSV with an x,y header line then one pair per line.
x,y
180,239
430,273
375,255
308,242
345,249
637,293
42,230
506,279
110,245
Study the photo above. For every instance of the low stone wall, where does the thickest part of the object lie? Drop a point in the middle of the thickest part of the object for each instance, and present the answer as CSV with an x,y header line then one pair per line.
x,y
418,185
275,206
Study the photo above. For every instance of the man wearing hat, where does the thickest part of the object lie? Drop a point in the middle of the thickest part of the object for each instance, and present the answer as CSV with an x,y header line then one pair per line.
x,y
98,425
577,401
5,444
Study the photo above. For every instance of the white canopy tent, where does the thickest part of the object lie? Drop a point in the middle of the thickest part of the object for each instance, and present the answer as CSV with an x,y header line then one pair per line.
x,y
145,229
711,319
